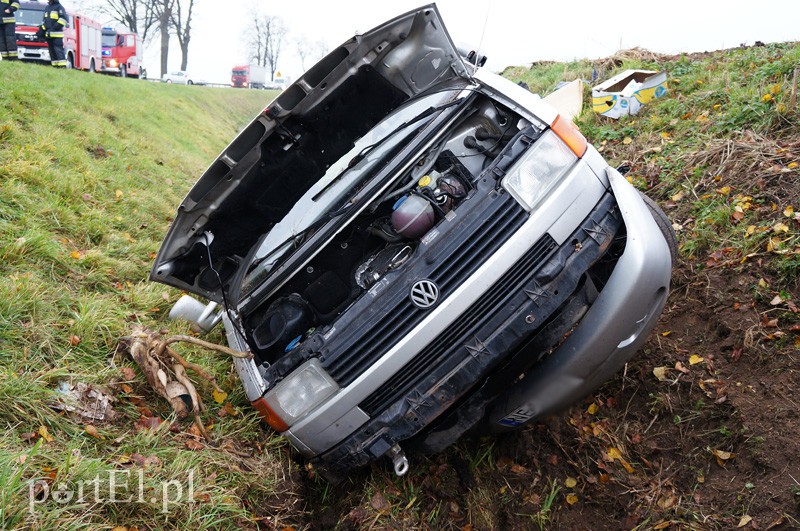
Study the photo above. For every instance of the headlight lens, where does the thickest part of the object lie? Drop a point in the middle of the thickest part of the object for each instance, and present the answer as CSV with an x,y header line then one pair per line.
x,y
540,169
301,391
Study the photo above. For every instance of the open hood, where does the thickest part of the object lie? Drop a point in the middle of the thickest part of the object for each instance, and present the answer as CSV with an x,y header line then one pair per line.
x,y
287,148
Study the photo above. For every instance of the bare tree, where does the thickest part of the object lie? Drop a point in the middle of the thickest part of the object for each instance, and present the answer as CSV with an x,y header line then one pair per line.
x,y
265,40
303,49
182,22
137,15
163,11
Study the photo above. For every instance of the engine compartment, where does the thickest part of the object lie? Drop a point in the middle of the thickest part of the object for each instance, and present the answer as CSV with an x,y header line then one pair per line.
x,y
385,236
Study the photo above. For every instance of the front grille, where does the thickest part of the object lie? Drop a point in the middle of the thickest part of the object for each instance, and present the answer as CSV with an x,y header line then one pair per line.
x,y
455,337
355,352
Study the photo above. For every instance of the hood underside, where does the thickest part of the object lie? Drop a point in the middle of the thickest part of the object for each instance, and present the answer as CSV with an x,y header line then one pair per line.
x,y
288,147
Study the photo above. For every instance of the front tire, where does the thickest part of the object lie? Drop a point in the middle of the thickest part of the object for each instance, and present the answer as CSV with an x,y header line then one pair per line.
x,y
92,68
190,82
123,71
664,225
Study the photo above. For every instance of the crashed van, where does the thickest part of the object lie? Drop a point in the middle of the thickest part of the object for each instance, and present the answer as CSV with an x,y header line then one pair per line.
x,y
412,247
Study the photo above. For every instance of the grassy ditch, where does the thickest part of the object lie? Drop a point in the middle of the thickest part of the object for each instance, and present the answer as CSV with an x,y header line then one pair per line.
x,y
91,171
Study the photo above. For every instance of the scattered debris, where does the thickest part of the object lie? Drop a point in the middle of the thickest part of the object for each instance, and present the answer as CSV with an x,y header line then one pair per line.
x,y
85,402
627,92
567,99
165,370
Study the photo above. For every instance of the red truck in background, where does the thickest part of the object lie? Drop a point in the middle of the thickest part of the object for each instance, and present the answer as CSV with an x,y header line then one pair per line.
x,y
249,76
122,54
82,38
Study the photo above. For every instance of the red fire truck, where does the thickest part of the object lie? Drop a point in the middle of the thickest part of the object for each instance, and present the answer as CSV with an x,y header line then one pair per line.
x,y
82,38
122,54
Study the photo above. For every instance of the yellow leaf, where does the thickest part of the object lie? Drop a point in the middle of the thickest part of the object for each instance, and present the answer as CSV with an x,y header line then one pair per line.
x,y
120,528
570,483
572,499
45,434
118,194
717,106
762,283
219,396
766,97
663,525
780,227
792,165
664,134
128,237
677,197
694,359
627,140
725,190
660,373
592,408
722,454
665,334
788,211
76,255
91,430
776,88
746,519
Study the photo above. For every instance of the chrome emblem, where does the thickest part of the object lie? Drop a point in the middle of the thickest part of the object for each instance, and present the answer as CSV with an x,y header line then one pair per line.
x,y
424,294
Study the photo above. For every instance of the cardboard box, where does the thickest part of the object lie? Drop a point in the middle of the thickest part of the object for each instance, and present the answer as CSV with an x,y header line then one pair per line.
x,y
627,92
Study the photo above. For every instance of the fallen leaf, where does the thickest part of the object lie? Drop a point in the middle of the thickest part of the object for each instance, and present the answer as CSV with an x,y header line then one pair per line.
x,y
792,165
219,396
780,227
570,483
723,456
572,499
725,190
627,140
92,430
694,359
77,255
379,503
660,373
191,444
788,211
45,434
776,301
74,340
679,366
118,194
128,373
592,408
746,519
615,455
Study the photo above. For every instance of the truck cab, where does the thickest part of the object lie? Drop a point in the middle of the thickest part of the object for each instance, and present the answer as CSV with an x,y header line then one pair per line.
x,y
122,54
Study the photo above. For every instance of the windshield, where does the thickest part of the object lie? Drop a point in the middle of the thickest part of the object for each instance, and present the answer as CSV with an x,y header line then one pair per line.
x,y
29,17
109,40
329,197
239,73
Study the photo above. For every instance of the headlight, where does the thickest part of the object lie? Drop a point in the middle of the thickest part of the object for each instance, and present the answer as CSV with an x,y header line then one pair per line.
x,y
539,170
301,391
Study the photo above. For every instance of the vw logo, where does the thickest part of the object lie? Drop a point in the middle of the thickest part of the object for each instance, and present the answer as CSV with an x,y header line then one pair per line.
x,y
424,294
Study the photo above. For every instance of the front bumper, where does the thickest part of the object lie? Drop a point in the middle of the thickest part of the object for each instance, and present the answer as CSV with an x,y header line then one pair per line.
x,y
609,334
613,329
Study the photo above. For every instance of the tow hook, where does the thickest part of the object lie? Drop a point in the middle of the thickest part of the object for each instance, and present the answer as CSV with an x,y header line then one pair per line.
x,y
398,457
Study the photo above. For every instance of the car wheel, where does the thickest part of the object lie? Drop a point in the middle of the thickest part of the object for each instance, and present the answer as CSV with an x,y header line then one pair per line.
x,y
189,82
664,224
169,81
123,72
92,68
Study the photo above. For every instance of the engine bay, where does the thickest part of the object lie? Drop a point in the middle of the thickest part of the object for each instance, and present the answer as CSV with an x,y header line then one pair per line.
x,y
385,236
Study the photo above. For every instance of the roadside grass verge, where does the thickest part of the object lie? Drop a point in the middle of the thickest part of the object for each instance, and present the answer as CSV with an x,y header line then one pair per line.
x,y
91,171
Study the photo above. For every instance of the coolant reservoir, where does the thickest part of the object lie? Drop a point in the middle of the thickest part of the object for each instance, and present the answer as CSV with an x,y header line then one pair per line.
x,y
413,216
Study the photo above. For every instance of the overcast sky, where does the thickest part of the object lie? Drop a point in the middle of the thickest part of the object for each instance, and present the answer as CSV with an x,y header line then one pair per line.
x,y
508,32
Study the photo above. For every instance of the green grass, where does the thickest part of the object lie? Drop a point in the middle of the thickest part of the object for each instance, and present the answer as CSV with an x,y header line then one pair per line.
x,y
722,138
92,169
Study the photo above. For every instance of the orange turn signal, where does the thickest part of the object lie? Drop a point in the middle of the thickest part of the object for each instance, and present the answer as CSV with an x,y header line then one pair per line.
x,y
570,135
269,416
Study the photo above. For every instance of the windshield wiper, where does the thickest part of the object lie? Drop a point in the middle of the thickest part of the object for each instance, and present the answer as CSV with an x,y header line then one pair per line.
x,y
361,155
300,235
